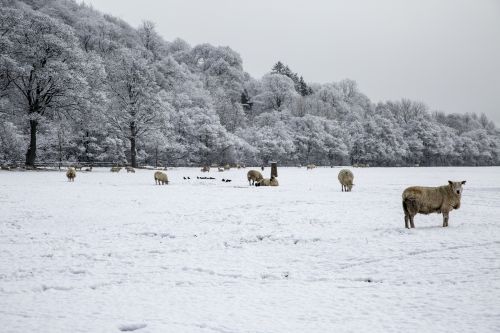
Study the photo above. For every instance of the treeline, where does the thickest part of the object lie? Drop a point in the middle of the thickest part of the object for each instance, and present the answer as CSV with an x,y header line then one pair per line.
x,y
77,85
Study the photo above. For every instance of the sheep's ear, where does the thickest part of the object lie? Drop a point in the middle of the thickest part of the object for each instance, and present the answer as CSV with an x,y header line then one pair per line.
x,y
463,182
450,182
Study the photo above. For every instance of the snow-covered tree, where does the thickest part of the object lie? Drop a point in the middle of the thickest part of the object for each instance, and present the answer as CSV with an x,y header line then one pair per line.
x,y
139,104
46,71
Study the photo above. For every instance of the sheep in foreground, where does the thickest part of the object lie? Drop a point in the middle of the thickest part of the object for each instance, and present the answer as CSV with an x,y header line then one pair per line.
x,y
116,169
254,176
71,174
161,178
273,181
426,200
130,169
345,178
311,166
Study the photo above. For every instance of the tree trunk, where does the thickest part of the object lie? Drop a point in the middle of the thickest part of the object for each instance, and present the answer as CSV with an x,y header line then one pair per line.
x,y
31,153
133,149
156,156
59,137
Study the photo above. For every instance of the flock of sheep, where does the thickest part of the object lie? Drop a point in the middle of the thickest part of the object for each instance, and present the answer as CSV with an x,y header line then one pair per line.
x,y
416,199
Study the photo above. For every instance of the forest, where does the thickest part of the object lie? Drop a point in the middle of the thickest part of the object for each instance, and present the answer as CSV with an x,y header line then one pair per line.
x,y
77,85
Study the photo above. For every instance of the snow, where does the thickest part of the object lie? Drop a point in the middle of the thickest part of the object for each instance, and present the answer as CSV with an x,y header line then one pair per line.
x,y
114,252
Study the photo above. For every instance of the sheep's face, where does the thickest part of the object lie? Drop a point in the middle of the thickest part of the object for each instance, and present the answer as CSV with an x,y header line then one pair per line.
x,y
349,187
456,187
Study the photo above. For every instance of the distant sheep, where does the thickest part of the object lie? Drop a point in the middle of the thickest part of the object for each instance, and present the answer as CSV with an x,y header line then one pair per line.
x,y
254,176
227,167
273,181
130,169
311,166
71,174
161,178
220,169
89,169
206,168
361,165
345,178
116,169
426,200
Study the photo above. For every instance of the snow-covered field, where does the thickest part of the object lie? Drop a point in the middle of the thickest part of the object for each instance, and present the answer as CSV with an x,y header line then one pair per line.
x,y
114,252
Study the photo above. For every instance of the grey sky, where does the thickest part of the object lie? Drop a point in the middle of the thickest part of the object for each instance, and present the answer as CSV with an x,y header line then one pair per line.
x,y
445,53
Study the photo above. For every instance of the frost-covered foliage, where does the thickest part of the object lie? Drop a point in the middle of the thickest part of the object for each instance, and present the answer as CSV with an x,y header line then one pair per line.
x,y
77,85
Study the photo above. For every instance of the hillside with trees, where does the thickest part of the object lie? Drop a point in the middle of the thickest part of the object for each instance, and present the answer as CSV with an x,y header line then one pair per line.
x,y
78,85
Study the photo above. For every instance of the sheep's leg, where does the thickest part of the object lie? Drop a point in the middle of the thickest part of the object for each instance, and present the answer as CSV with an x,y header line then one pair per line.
x,y
445,219
407,226
411,221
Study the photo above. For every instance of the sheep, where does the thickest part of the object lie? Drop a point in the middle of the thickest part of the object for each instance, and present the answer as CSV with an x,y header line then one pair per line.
x,y
227,167
71,174
130,169
426,200
115,169
89,169
273,181
161,178
206,168
254,176
220,169
310,166
345,178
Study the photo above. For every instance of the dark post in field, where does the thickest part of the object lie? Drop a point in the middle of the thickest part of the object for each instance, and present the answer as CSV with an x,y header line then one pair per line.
x,y
274,169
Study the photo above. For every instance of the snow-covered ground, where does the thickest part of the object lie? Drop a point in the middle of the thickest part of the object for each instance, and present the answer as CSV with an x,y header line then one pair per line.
x,y
114,252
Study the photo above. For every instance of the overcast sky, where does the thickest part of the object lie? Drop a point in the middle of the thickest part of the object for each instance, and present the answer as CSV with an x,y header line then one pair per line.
x,y
445,53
